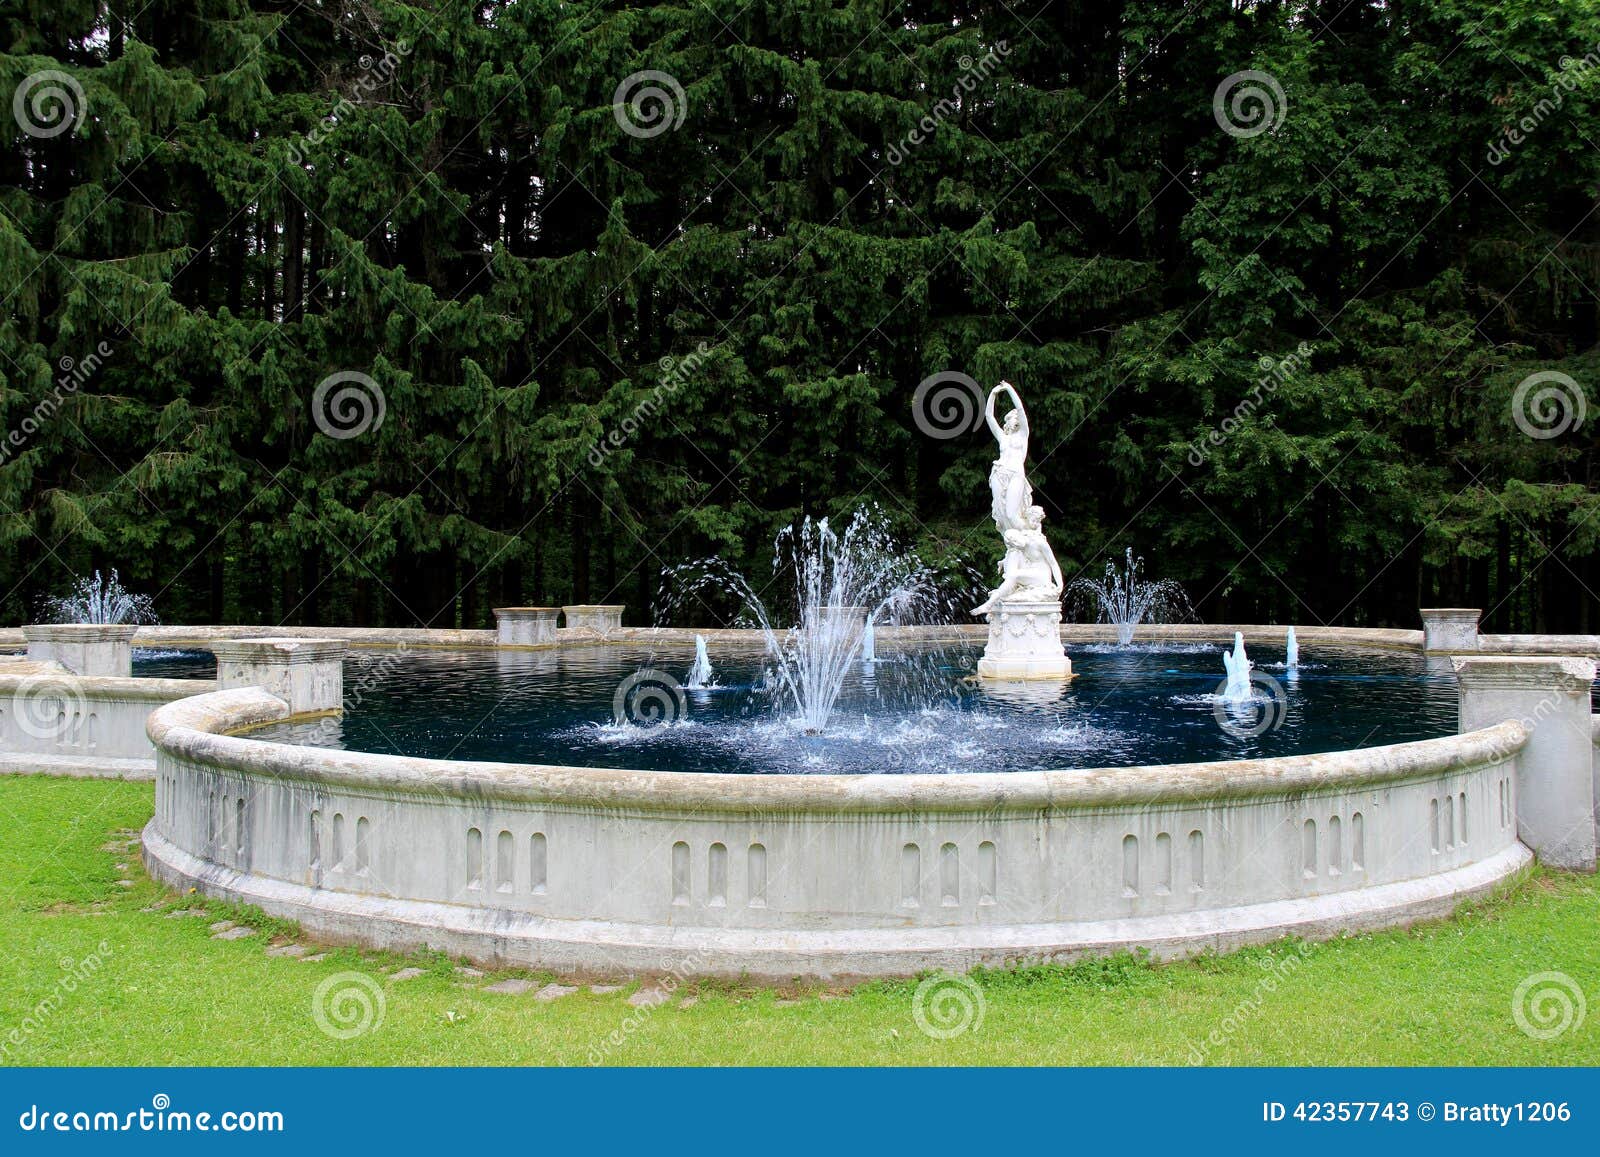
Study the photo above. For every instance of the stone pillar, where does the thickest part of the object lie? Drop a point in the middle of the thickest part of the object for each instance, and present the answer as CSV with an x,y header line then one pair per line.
x,y
1555,771
1025,642
1450,629
307,674
83,648
525,626
599,618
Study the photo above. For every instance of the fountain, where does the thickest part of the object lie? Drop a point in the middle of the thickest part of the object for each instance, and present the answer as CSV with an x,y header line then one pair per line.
x,y
869,643
1291,653
1024,611
700,676
843,583
1237,689
1125,598
102,602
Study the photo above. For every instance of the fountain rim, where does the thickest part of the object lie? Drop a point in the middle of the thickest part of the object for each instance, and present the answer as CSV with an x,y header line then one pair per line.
x,y
208,729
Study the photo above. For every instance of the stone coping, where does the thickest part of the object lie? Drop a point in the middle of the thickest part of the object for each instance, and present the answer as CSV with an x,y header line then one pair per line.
x,y
104,686
284,648
1570,673
1539,645
202,730
79,632
201,637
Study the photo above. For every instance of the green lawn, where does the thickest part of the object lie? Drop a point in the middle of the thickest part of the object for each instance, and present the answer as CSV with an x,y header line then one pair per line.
x,y
166,992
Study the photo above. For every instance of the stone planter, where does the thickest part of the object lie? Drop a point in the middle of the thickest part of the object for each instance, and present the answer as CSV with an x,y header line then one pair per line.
x,y
1450,630
83,648
597,618
526,626
307,674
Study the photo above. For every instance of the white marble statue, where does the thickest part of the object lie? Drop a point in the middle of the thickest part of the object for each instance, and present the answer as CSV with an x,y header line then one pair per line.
x,y
1024,611
1029,571
1008,479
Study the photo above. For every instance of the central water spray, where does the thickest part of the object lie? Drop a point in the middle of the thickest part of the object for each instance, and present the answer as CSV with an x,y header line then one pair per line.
x,y
841,582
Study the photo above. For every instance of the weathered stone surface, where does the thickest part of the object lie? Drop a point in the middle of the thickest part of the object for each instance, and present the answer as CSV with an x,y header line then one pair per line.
x,y
649,998
1555,808
235,933
1450,630
555,991
287,950
307,674
91,649
525,626
959,869
408,974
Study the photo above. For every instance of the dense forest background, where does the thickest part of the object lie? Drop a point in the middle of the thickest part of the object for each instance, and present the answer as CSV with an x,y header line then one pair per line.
x,y
614,328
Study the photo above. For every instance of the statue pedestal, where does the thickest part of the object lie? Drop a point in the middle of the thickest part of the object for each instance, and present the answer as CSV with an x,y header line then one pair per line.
x,y
1025,642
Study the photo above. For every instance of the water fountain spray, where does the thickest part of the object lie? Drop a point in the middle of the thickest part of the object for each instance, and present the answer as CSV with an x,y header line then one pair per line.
x,y
101,601
1125,598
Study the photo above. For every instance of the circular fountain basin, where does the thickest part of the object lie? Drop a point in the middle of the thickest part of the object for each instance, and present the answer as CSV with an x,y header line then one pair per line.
x,y
602,869
916,710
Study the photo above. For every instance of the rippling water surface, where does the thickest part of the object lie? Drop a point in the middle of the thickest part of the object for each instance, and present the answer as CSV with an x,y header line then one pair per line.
x,y
912,711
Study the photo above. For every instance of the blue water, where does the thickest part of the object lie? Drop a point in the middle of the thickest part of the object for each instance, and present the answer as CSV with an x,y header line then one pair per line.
x,y
909,712
172,663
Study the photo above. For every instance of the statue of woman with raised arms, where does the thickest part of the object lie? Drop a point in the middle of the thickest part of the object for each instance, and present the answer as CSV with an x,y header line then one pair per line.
x,y
1008,480
1024,611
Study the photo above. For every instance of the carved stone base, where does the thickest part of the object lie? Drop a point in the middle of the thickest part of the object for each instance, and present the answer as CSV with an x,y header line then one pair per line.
x,y
1025,642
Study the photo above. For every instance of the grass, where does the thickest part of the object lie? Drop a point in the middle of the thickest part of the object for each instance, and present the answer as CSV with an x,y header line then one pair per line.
x,y
165,992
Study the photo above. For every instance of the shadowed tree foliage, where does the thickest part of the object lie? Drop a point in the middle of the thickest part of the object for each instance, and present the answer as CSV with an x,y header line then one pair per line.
x,y
629,284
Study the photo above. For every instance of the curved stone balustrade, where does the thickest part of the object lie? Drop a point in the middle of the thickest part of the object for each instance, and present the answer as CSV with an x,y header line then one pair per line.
x,y
583,869
54,721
